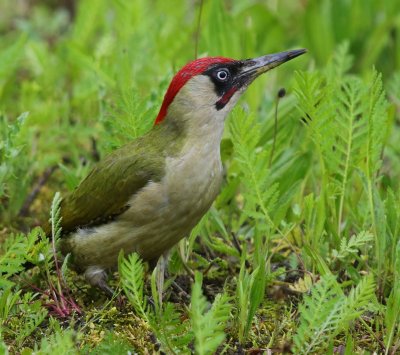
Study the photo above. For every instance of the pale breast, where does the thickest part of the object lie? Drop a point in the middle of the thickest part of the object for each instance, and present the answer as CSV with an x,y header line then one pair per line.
x,y
176,204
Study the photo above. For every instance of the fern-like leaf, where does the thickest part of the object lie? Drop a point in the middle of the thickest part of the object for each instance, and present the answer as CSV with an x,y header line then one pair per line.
x,y
392,316
328,311
357,302
319,315
208,325
250,292
15,251
61,342
131,271
350,247
351,132
261,194
173,334
55,217
341,62
377,122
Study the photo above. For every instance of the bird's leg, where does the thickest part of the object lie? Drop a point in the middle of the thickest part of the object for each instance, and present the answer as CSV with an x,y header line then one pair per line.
x,y
97,277
161,273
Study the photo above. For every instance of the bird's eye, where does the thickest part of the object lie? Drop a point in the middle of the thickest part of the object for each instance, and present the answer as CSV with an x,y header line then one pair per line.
x,y
222,75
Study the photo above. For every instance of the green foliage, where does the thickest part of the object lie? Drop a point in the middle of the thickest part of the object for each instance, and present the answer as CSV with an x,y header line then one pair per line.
x,y
110,344
249,294
261,196
174,334
320,315
131,120
392,314
164,319
327,311
15,252
56,229
9,60
58,343
348,123
31,314
349,248
208,324
132,276
14,165
319,196
55,218
3,347
20,315
7,302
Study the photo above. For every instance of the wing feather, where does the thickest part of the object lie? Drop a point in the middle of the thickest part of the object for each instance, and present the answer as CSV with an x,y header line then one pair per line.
x,y
105,192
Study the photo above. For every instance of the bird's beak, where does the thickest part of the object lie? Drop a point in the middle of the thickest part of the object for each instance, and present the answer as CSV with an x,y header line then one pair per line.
x,y
252,68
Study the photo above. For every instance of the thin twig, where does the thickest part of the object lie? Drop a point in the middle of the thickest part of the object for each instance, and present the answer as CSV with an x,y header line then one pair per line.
x,y
94,152
205,272
281,93
370,331
197,34
239,248
188,270
181,291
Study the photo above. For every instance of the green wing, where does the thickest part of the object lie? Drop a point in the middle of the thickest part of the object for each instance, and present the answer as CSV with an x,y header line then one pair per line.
x,y
105,192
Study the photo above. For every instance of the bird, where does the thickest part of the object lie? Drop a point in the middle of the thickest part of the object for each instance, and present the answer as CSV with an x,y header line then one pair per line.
x,y
148,194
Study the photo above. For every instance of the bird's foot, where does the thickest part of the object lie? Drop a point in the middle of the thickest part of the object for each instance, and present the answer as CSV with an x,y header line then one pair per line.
x,y
97,277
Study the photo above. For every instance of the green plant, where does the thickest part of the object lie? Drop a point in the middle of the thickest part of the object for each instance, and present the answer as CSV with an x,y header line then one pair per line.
x,y
57,343
327,311
14,166
249,294
326,202
349,248
208,325
132,275
392,314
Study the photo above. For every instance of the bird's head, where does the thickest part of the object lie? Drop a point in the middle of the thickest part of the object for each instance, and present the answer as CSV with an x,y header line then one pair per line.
x,y
204,91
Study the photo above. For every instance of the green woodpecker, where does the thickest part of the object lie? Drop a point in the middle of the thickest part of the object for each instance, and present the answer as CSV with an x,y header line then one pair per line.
x,y
147,195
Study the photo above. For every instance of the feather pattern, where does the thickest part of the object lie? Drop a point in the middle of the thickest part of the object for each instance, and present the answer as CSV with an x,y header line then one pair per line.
x,y
104,194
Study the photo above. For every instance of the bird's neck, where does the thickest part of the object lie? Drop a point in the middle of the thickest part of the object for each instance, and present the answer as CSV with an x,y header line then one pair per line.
x,y
199,132
197,126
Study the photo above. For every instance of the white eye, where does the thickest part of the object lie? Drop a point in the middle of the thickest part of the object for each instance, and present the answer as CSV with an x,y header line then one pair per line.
x,y
222,75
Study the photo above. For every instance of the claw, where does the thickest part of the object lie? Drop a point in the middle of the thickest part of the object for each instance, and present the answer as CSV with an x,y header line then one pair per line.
x,y
97,277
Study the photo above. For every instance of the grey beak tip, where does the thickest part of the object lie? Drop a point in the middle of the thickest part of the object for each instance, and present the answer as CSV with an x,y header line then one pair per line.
x,y
256,66
296,52
283,57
